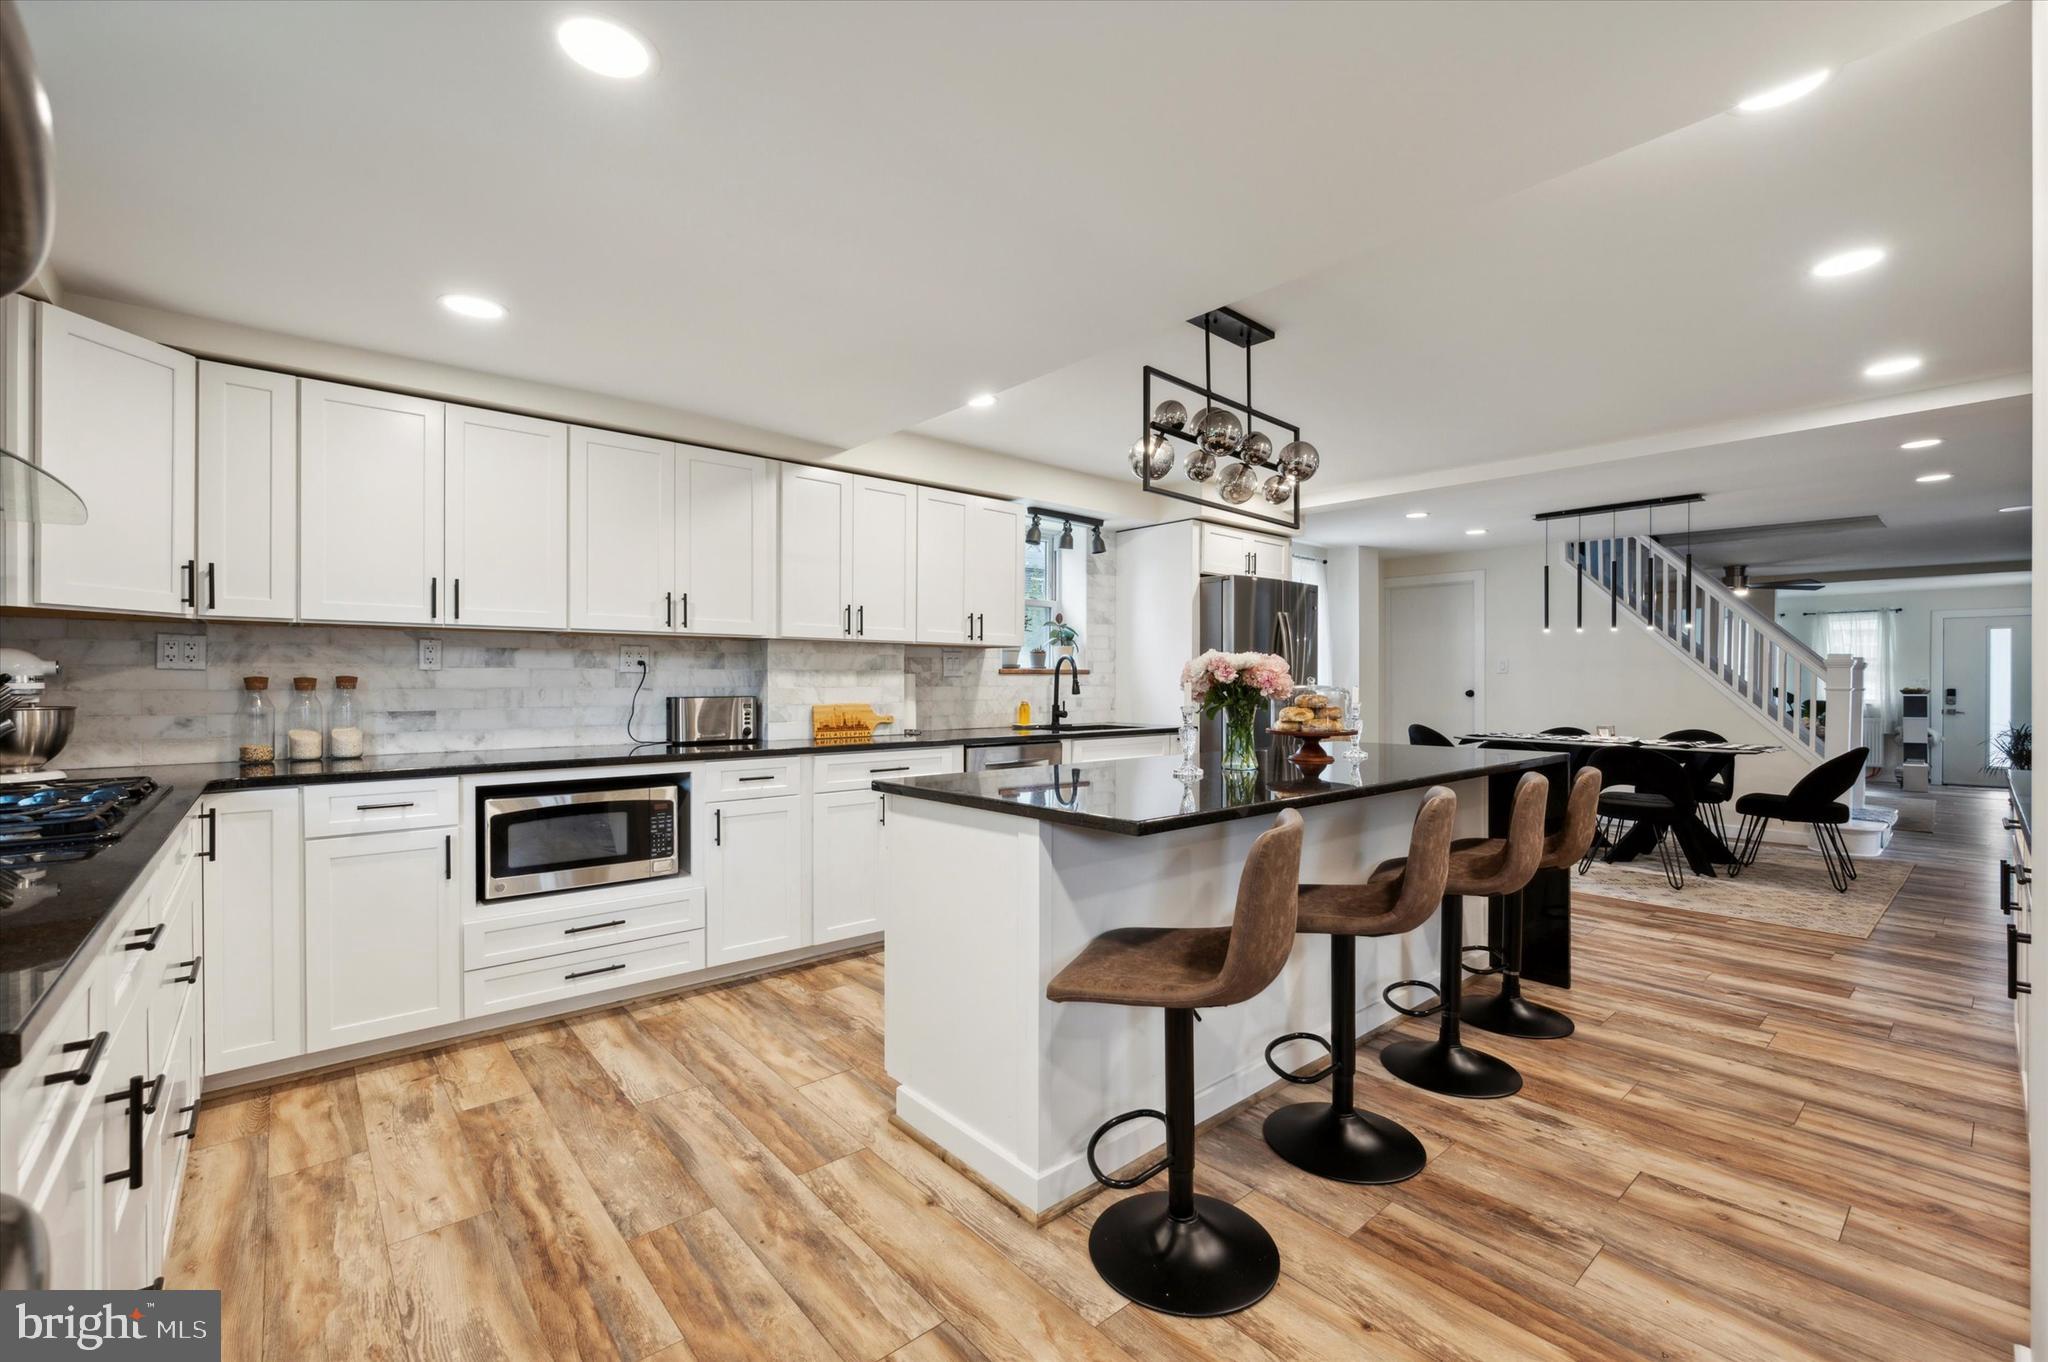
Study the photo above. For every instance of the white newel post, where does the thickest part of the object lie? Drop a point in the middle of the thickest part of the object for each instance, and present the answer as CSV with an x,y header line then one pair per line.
x,y
1845,715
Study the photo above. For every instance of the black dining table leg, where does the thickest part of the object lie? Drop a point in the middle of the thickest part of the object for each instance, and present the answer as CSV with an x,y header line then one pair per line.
x,y
1703,850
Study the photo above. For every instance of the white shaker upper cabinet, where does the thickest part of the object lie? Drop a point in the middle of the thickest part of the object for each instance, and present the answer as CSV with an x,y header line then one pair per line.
x,y
882,560
725,546
945,613
995,572
248,493
622,532
816,526
1271,556
370,498
1225,553
115,421
508,521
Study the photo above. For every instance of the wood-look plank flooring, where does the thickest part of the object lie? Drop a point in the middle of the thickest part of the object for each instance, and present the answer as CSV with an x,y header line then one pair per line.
x,y
1763,1143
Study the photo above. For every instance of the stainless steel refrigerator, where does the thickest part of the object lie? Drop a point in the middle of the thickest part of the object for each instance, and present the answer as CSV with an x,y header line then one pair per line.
x,y
1258,615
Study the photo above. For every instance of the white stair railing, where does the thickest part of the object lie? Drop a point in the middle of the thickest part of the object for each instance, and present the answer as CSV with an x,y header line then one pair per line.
x,y
1785,682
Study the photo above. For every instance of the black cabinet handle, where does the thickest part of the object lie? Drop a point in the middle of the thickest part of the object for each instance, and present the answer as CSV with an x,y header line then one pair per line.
x,y
150,936
401,804
81,1075
970,624
882,811
847,628
191,596
2005,886
132,1095
2014,939
981,628
433,598
749,780
594,926
212,571
686,610
155,1089
668,609
212,817
885,770
1468,695
448,857
193,965
586,973
458,598
718,827
191,1127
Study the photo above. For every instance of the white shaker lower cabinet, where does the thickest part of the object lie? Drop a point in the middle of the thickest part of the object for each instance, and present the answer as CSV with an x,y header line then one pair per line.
x,y
248,493
725,543
507,544
622,532
114,419
383,936
755,877
846,864
254,934
121,1098
370,506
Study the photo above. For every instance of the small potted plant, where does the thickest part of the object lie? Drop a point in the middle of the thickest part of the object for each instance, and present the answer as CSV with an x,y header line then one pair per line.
x,y
1062,635
1038,658
2016,746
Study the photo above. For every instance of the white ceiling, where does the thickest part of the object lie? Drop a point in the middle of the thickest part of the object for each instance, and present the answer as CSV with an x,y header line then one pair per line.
x,y
839,220
1826,472
1661,290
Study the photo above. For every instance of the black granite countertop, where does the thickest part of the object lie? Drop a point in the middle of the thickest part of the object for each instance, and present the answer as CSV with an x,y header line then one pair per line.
x,y
1140,796
57,915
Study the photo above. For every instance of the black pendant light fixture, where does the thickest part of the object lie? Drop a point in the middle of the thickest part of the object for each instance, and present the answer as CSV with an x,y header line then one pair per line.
x,y
1613,572
1067,536
1035,534
1546,576
1032,536
1579,552
1688,569
1095,544
1615,561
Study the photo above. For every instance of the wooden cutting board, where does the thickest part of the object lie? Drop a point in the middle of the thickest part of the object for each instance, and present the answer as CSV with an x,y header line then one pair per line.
x,y
846,723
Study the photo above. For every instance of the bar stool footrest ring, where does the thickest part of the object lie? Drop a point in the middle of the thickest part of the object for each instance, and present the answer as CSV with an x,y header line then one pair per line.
x,y
1111,1124
1304,1079
1430,1010
1496,963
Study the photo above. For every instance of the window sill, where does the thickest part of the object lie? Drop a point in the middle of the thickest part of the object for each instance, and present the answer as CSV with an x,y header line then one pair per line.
x,y
1033,671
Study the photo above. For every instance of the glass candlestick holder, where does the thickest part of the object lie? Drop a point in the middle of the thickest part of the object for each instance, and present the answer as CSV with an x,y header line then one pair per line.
x,y
1190,741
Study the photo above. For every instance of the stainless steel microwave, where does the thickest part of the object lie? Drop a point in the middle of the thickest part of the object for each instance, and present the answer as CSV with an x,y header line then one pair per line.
x,y
544,839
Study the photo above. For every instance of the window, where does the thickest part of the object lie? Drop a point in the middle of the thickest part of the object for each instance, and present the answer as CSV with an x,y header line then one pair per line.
x,y
1860,633
1998,675
1041,591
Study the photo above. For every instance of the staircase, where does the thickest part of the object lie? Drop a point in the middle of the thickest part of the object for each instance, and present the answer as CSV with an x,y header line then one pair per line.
x,y
1780,680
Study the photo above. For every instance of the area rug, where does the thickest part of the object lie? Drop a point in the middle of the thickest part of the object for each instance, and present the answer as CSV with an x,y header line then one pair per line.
x,y
1787,887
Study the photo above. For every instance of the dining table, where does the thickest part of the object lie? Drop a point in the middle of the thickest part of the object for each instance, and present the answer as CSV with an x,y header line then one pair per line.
x,y
1703,847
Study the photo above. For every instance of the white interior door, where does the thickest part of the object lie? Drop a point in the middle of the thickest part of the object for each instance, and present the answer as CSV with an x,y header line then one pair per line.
x,y
1432,655
725,516
1987,677
622,532
508,522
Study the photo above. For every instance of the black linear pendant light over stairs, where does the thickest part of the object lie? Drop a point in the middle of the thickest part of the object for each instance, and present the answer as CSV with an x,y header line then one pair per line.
x,y
1641,571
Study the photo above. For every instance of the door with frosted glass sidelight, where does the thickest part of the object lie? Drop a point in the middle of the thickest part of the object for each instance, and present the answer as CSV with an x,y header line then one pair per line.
x,y
1987,677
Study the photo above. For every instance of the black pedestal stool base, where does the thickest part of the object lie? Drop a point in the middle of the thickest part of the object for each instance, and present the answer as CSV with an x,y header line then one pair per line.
x,y
1507,1014
1451,1069
1216,1263
1345,1146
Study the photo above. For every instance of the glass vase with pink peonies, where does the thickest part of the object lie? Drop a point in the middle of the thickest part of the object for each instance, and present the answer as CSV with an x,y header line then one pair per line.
x,y
1234,685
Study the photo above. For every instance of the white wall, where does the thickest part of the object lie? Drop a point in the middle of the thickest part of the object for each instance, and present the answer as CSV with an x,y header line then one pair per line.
x,y
1914,623
1625,678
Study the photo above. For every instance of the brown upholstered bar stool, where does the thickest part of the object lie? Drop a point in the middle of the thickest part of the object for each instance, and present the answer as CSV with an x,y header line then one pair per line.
x,y
1507,1012
1339,1141
1174,1251
1483,867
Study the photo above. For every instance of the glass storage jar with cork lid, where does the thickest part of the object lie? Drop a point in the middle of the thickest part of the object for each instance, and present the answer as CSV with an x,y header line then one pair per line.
x,y
303,729
344,722
256,724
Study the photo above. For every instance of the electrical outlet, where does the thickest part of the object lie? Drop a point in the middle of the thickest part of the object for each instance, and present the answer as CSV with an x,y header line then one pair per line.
x,y
632,658
430,654
181,652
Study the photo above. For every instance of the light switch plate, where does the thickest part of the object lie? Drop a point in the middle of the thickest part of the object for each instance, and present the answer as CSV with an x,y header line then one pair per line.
x,y
1501,667
181,652
430,654
632,657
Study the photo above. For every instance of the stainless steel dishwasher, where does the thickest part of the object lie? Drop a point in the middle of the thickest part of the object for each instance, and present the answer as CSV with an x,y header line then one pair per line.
x,y
1010,756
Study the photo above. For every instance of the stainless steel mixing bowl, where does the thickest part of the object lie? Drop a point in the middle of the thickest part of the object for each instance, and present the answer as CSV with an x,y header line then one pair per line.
x,y
38,735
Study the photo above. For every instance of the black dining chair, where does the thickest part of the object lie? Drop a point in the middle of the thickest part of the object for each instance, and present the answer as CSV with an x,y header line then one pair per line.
x,y
1567,731
1816,801
1713,776
1645,789
1422,735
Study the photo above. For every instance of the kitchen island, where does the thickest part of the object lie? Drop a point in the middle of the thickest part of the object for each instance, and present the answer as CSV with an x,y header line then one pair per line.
x,y
997,879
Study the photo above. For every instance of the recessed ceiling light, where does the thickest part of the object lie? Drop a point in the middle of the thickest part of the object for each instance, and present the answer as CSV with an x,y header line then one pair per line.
x,y
1778,96
982,400
473,307
604,47
1934,477
1892,367
1848,262
2008,510
1475,532
1928,443
1418,515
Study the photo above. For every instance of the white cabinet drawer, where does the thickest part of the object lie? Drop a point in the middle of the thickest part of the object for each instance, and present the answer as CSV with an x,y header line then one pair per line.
x,y
748,779
500,988
39,1110
559,925
859,770
380,806
173,967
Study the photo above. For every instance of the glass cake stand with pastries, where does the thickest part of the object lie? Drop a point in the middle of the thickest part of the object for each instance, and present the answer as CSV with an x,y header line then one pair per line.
x,y
1311,716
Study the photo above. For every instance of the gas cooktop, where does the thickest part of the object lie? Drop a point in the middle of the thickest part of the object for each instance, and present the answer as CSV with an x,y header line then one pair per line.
x,y
50,820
